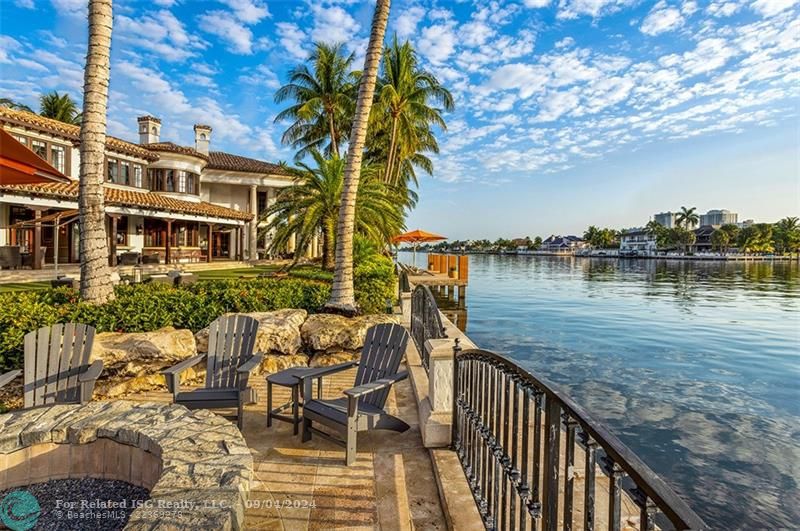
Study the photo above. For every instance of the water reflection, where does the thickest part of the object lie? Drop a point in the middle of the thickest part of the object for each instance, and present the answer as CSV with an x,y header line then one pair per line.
x,y
693,364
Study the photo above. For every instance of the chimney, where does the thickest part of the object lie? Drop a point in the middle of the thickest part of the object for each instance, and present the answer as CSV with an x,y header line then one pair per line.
x,y
149,129
202,138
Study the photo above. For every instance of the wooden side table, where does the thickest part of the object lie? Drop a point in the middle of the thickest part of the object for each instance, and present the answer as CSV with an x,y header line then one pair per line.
x,y
289,378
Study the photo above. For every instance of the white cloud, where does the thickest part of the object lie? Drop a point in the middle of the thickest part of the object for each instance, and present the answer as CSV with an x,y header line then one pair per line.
x,y
333,24
710,54
154,89
263,76
293,39
25,4
566,42
8,45
524,78
164,3
662,18
406,22
73,8
437,42
536,3
167,37
248,11
228,29
570,9
769,8
723,8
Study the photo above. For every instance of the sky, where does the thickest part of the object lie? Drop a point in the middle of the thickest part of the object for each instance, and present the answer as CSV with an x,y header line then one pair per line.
x,y
568,112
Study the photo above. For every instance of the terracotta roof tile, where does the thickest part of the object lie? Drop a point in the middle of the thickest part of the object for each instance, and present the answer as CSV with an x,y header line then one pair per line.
x,y
218,160
70,132
172,147
122,197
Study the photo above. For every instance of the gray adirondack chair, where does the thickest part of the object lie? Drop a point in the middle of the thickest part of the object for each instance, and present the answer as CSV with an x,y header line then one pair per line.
x,y
362,407
57,369
229,363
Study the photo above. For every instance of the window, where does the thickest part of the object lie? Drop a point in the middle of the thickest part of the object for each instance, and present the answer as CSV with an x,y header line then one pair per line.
x,y
181,182
170,180
113,171
137,176
57,157
40,148
22,140
125,173
122,230
190,183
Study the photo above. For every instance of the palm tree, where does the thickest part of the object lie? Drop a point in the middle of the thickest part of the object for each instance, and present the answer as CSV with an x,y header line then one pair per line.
x,y
96,286
404,94
323,100
591,235
687,217
59,107
11,104
311,206
787,234
721,240
342,293
656,230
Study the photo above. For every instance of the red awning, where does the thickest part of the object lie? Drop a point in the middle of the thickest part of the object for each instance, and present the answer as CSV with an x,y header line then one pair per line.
x,y
20,165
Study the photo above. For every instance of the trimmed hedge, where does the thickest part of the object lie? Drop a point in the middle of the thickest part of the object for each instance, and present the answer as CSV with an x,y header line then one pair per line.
x,y
146,307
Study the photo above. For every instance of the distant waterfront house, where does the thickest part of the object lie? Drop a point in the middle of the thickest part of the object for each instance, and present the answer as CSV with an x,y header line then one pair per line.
x,y
558,243
178,203
718,218
637,241
702,243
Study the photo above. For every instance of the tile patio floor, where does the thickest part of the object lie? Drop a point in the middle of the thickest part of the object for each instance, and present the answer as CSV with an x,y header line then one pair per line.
x,y
301,486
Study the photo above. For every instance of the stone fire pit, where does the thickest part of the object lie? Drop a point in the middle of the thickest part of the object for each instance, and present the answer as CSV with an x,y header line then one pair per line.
x,y
195,464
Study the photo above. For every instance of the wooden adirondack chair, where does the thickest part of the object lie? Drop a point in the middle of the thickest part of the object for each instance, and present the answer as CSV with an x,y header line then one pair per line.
x,y
361,407
57,369
229,362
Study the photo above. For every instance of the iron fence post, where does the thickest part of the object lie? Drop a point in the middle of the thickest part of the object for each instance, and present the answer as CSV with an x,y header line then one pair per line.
x,y
454,423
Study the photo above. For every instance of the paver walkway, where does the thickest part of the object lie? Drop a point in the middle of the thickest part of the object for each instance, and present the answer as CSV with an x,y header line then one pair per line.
x,y
307,485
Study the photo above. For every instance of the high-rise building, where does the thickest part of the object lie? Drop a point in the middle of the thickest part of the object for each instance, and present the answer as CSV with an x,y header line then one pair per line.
x,y
667,219
719,217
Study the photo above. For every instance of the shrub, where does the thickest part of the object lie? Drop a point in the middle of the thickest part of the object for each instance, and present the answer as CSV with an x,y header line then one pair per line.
x,y
146,307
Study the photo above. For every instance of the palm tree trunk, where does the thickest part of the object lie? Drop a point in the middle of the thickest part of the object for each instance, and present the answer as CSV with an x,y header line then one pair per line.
x,y
390,157
96,286
343,294
328,233
334,146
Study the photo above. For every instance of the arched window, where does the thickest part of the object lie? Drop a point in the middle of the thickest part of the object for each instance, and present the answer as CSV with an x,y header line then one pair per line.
x,y
202,136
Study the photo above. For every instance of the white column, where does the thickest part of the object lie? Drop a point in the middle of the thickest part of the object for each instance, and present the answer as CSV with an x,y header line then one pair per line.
x,y
252,252
3,223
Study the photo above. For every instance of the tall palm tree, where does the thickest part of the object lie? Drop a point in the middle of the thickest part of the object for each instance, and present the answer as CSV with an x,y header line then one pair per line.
x,y
405,94
323,100
687,217
787,234
657,231
96,286
311,206
342,293
592,235
11,104
59,107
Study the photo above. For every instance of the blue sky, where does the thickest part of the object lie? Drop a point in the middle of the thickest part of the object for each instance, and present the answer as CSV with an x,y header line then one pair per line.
x,y
569,112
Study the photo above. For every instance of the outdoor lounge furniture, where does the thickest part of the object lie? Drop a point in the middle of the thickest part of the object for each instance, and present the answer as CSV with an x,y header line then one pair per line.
x,y
57,369
150,259
129,258
10,257
361,407
27,258
289,378
229,362
62,281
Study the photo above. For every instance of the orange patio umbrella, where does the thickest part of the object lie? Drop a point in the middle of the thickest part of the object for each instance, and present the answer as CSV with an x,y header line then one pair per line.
x,y
20,165
415,237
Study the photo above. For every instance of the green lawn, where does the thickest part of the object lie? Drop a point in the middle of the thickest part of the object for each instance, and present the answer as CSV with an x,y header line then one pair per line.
x,y
23,286
303,271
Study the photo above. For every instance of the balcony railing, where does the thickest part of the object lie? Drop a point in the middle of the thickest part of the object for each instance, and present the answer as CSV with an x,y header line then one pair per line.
x,y
426,322
508,427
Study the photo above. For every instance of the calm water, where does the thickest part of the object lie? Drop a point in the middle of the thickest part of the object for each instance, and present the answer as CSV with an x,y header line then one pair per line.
x,y
696,366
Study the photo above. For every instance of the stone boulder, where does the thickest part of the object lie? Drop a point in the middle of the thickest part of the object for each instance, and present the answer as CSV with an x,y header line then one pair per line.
x,y
278,332
278,362
329,332
326,359
132,362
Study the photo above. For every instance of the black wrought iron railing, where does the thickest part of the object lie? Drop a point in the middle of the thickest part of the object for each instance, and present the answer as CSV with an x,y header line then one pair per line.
x,y
517,436
426,322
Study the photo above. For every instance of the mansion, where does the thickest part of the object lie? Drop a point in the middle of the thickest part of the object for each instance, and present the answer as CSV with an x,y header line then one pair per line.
x,y
166,202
